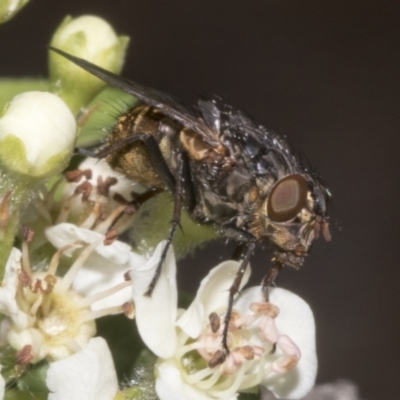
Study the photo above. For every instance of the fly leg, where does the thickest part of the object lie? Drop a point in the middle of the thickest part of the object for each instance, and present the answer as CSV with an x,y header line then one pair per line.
x,y
269,278
220,355
176,217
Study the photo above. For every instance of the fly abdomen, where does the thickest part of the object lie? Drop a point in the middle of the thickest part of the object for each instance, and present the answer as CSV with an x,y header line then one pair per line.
x,y
133,159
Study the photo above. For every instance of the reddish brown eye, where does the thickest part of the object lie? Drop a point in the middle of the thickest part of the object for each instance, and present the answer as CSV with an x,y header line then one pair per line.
x,y
287,198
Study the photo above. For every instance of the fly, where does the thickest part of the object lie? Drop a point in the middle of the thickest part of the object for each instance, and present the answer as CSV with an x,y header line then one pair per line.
x,y
224,170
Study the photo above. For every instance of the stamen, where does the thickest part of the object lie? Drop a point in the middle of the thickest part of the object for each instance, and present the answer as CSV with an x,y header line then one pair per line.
x,y
65,209
24,279
92,217
73,345
128,309
232,387
265,308
210,382
268,331
23,302
197,377
35,306
103,187
182,350
92,315
27,236
218,358
77,174
24,356
76,266
111,236
55,260
291,358
85,189
86,302
251,380
104,226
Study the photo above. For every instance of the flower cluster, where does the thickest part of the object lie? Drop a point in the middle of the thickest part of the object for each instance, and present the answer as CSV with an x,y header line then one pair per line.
x,y
63,265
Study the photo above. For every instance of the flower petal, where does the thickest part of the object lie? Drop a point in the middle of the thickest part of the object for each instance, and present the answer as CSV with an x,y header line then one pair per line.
x,y
156,314
87,375
169,385
297,321
8,303
63,234
104,269
212,294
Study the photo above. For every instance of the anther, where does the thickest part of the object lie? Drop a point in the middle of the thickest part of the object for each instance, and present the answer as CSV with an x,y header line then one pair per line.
x,y
218,358
27,234
85,188
103,187
74,176
110,237
24,356
265,308
129,310
215,322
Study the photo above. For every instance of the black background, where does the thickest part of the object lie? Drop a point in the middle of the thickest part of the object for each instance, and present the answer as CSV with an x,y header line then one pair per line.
x,y
325,73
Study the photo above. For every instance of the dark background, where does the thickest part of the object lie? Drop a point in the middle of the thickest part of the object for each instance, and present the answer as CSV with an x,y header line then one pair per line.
x,y
326,74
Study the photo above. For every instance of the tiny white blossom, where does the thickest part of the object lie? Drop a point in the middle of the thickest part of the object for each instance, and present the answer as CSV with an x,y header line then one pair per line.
x,y
106,189
93,197
271,343
89,374
105,267
49,318
37,135
93,39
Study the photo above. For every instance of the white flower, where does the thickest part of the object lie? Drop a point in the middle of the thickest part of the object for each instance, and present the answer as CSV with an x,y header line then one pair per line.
x,y
37,135
89,374
93,197
272,343
93,39
49,318
104,269
96,188
10,8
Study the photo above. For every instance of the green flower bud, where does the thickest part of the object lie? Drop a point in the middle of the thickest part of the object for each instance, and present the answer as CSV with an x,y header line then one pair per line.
x,y
9,8
90,38
37,136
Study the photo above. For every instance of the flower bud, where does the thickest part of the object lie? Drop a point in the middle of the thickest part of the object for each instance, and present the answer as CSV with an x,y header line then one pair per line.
x,y
9,8
93,39
37,136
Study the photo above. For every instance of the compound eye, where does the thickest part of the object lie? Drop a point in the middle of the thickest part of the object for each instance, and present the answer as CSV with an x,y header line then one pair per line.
x,y
287,198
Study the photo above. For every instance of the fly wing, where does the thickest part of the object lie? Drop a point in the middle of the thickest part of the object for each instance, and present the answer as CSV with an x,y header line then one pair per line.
x,y
166,104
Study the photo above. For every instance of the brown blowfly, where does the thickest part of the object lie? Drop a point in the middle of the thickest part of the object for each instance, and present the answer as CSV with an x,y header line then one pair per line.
x,y
224,170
